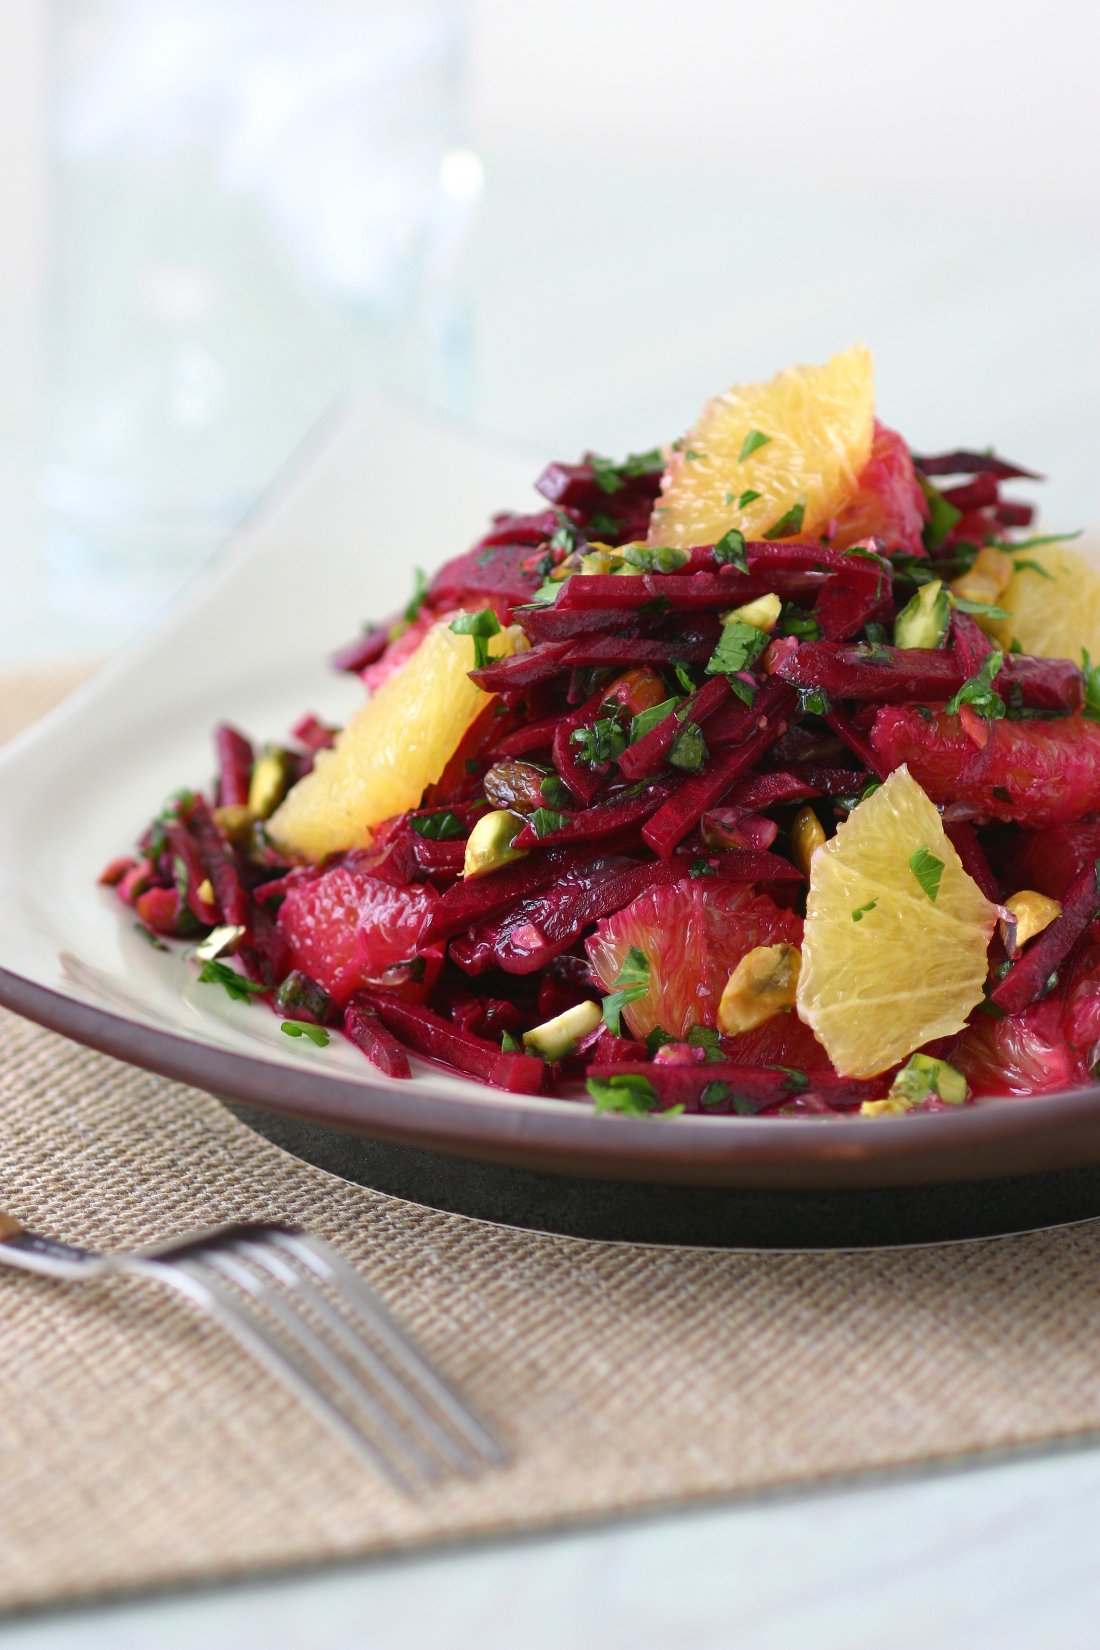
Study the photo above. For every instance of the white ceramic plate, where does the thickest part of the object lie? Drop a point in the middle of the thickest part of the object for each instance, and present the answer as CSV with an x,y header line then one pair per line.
x,y
381,491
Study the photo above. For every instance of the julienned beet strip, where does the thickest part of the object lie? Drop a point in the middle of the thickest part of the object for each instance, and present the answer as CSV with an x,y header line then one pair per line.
x,y
681,813
607,818
235,758
363,1027
723,1088
961,462
1033,974
647,755
922,675
436,1038
219,864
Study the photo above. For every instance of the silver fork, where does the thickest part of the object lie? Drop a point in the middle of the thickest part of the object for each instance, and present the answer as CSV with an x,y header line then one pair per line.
x,y
296,1306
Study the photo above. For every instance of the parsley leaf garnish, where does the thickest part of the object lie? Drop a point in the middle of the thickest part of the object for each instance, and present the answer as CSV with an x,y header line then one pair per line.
x,y
631,982
942,516
861,910
978,691
602,741
480,626
416,600
238,987
655,558
739,646
689,750
794,622
683,676
790,524
1091,674
510,1044
627,1092
648,719
928,871
749,496
730,550
754,440
443,826
714,1095
306,1028
545,820
965,605
611,477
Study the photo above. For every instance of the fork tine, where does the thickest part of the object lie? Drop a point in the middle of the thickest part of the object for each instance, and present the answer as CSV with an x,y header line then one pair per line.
x,y
280,1263
230,1264
327,1263
193,1277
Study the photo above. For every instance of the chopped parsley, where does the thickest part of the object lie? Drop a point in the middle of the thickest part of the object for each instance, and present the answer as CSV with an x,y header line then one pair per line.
x,y
237,986
611,477
797,1079
813,702
544,821
928,871
443,826
1091,674
416,600
749,496
699,867
706,1037
627,1092
657,1038
631,982
567,537
752,442
730,550
789,525
306,1028
647,720
984,609
978,691
714,1095
739,646
555,792
600,522
480,626
861,910
942,516
683,676
600,742
510,1044
689,750
794,622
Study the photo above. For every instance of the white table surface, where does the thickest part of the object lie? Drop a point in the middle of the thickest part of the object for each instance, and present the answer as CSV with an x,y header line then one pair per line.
x,y
971,348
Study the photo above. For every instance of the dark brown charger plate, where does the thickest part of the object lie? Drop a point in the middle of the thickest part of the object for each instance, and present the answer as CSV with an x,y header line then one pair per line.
x,y
141,729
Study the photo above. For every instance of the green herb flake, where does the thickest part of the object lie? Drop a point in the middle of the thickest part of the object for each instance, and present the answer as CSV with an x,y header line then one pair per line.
x,y
600,523
1091,674
942,517
700,868
978,691
611,477
510,1044
306,1028
708,1038
480,626
751,444
684,678
861,910
692,456
443,826
544,821
416,600
236,985
647,720
689,750
657,1038
798,1081
655,558
739,646
555,792
1027,564
601,742
749,496
794,622
789,525
626,1092
631,982
984,610
714,1095
813,702
928,871
152,939
729,551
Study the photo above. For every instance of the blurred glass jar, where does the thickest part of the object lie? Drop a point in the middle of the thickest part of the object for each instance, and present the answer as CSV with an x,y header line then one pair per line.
x,y
256,204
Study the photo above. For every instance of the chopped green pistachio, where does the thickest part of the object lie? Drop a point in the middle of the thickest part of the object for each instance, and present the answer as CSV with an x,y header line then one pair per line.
x,y
510,1044
489,844
655,558
922,1077
925,619
762,614
219,940
271,775
559,1037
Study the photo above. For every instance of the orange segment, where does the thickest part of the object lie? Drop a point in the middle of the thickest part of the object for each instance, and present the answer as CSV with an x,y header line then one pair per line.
x,y
390,751
819,424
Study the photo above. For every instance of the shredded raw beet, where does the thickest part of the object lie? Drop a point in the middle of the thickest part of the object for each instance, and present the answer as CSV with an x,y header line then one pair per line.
x,y
645,749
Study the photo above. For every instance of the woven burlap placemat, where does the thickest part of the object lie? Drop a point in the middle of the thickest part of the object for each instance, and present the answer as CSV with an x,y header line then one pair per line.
x,y
139,1448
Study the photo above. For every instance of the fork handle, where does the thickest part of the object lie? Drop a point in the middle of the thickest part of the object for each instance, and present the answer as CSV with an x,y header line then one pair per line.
x,y
38,1254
